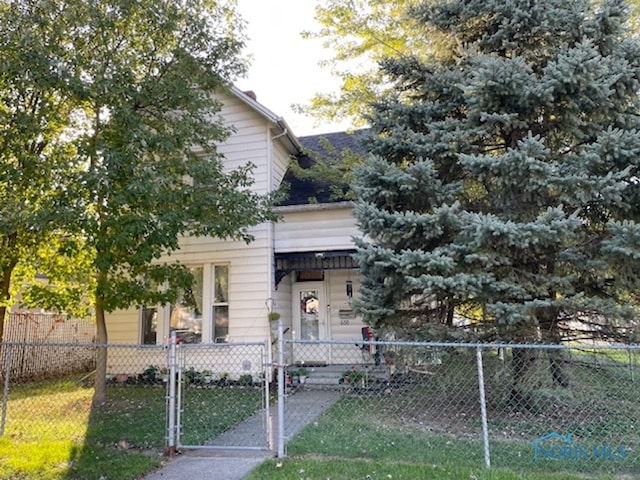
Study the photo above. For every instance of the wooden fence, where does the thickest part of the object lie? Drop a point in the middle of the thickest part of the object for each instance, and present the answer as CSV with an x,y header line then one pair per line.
x,y
69,346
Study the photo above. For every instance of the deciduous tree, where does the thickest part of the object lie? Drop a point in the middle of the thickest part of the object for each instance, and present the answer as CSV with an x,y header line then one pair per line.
x,y
142,77
37,157
361,33
148,72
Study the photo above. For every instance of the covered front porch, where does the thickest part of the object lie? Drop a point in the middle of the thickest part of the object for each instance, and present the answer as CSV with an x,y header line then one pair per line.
x,y
315,295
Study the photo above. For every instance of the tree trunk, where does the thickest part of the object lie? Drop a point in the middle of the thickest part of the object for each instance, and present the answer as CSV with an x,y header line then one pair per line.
x,y
558,365
522,359
100,392
3,314
450,315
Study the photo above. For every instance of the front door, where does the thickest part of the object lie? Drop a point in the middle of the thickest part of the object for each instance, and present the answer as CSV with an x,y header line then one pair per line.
x,y
310,322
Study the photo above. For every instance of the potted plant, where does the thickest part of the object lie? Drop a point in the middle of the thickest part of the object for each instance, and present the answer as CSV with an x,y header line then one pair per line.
x,y
354,377
303,373
207,376
164,374
224,379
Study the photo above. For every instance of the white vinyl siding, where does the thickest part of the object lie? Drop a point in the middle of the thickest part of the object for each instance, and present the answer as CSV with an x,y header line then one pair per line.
x,y
330,228
343,328
250,265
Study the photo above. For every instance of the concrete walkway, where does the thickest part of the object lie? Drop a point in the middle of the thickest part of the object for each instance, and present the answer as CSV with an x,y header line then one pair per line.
x,y
301,409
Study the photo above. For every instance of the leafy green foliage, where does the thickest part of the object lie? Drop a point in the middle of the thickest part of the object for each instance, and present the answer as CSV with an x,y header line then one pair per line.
x,y
37,157
505,183
330,170
149,71
362,33
118,103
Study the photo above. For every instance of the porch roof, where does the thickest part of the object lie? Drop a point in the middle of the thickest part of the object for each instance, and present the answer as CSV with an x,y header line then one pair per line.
x,y
317,260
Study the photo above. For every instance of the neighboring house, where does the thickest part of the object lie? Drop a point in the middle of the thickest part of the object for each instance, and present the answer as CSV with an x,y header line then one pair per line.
x,y
300,266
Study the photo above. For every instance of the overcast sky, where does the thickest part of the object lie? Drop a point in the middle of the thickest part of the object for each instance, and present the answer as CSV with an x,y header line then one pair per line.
x,y
284,67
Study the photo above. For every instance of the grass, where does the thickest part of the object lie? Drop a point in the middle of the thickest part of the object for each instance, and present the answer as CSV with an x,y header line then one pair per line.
x,y
347,434
52,433
322,468
423,431
200,424
407,435
623,356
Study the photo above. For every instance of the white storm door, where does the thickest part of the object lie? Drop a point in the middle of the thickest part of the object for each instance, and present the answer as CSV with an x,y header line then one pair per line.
x,y
310,321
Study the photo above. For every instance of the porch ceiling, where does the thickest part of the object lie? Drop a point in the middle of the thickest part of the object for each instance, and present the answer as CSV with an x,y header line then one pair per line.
x,y
317,260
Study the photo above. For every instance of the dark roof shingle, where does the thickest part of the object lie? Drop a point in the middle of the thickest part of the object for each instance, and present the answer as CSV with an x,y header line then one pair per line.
x,y
302,190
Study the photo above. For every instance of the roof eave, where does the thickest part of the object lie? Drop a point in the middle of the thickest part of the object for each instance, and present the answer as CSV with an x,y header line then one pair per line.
x,y
311,207
283,128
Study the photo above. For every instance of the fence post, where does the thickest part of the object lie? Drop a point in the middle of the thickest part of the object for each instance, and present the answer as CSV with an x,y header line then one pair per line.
x,y
631,366
5,394
268,378
171,400
281,387
483,410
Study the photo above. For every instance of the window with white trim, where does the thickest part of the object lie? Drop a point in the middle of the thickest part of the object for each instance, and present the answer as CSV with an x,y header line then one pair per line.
x,y
185,316
220,304
149,325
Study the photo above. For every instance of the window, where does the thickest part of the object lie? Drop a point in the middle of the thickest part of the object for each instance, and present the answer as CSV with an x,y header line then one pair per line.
x,y
309,275
220,306
185,317
149,323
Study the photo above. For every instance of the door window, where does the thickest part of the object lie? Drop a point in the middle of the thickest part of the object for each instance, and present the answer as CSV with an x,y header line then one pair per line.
x,y
309,315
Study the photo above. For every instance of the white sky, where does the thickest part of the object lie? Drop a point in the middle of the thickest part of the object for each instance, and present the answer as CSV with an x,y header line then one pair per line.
x,y
284,67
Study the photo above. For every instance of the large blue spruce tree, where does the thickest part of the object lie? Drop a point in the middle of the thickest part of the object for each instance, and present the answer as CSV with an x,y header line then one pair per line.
x,y
503,185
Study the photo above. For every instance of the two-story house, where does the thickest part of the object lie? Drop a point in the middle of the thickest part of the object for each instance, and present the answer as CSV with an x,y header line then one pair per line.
x,y
300,266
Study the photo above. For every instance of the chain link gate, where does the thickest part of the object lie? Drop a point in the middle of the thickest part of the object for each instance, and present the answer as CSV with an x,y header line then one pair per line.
x,y
218,396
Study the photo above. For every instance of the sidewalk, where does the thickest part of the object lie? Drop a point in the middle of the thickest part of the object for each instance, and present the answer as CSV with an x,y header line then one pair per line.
x,y
301,409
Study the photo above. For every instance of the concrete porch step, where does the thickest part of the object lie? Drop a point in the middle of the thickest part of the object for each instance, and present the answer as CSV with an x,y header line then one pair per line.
x,y
332,374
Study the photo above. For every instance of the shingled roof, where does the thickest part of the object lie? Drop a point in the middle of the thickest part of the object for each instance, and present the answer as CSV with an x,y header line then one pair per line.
x,y
302,190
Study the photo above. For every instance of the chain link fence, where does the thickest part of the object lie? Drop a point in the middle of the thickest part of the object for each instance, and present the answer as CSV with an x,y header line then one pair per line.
x,y
47,395
542,407
215,388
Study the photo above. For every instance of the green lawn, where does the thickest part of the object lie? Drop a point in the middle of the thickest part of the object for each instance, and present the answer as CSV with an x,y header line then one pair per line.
x,y
342,446
363,436
52,432
322,468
